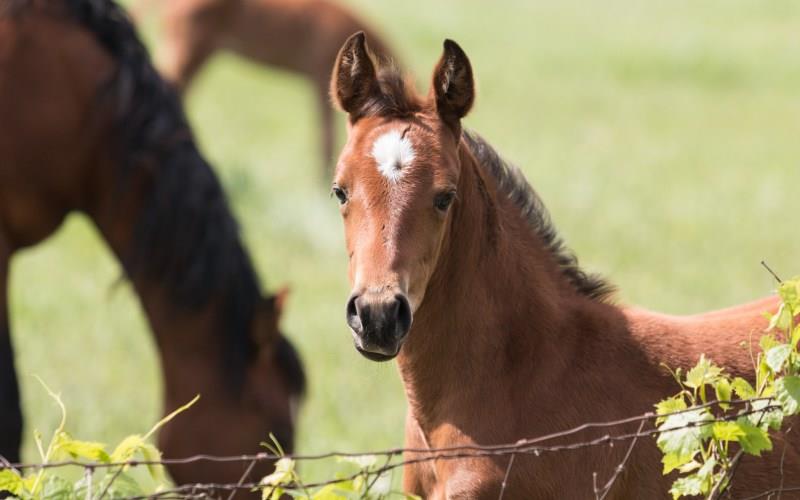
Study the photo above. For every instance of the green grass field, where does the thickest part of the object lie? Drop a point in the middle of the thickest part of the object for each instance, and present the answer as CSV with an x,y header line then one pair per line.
x,y
662,136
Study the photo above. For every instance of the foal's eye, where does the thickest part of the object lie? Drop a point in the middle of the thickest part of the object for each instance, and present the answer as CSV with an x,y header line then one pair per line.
x,y
340,194
443,200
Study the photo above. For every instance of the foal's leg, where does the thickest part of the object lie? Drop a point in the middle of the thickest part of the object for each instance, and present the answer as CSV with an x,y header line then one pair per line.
x,y
10,410
418,478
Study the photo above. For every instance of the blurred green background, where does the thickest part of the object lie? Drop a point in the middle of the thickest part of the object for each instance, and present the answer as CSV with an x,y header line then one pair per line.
x,y
663,136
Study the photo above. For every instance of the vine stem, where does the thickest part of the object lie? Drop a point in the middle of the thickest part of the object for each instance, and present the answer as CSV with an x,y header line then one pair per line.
x,y
110,482
505,478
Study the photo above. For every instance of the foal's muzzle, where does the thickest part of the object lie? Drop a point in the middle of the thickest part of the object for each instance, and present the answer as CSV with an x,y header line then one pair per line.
x,y
379,324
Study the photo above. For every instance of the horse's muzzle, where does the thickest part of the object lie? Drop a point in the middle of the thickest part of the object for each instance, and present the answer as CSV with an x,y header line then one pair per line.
x,y
379,324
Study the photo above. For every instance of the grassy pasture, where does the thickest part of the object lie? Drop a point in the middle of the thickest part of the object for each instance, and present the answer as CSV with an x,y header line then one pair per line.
x,y
662,136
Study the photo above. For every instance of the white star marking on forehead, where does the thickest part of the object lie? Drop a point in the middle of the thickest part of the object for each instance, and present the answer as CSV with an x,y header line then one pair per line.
x,y
392,152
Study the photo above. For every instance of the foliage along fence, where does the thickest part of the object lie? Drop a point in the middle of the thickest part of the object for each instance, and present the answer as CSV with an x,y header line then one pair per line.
x,y
703,431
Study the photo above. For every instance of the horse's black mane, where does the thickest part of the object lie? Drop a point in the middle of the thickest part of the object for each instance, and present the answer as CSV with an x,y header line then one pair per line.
x,y
511,181
186,237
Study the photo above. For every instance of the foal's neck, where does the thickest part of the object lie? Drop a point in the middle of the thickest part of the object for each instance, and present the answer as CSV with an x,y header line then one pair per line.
x,y
493,305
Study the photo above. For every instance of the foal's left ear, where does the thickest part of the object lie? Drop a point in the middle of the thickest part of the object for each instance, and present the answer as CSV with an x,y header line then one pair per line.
x,y
453,85
354,82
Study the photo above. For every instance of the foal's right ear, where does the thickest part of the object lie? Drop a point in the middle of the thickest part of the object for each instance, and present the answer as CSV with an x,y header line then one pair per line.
x,y
453,86
354,81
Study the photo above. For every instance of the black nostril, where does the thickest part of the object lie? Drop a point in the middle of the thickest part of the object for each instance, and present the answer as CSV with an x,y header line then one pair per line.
x,y
403,314
352,314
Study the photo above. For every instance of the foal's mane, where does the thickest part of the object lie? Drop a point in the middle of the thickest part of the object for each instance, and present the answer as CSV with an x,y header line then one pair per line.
x,y
186,237
512,183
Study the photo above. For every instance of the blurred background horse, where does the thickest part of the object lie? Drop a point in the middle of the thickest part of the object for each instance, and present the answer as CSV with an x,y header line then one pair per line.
x,y
301,36
89,125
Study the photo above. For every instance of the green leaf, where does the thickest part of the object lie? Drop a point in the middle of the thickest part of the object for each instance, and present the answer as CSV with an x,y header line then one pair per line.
x,y
134,444
789,292
706,474
57,488
11,481
727,431
755,439
674,461
284,473
123,486
274,493
704,372
767,342
742,388
335,491
722,388
686,487
767,418
64,444
775,318
776,357
680,433
670,405
127,448
689,467
381,487
764,373
28,483
152,454
787,392
362,461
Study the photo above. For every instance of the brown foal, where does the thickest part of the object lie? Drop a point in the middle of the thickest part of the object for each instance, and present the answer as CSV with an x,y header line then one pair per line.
x,y
498,334
301,36
87,124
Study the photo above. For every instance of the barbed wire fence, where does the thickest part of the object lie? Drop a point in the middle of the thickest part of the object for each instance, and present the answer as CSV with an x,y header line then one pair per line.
x,y
396,458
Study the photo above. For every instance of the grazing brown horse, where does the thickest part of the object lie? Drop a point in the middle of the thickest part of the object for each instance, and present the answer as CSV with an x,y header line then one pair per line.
x,y
302,36
499,335
87,124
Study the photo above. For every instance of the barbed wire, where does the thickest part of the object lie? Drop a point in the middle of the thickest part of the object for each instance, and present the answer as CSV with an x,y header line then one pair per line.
x,y
265,456
527,447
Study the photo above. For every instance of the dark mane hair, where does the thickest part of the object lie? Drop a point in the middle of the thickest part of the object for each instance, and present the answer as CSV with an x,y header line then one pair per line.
x,y
186,236
511,182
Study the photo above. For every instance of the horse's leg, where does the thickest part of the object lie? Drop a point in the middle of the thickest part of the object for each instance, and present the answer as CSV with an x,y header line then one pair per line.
x,y
10,409
191,35
327,126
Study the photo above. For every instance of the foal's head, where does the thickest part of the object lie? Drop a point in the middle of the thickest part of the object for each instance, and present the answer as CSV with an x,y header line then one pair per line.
x,y
396,181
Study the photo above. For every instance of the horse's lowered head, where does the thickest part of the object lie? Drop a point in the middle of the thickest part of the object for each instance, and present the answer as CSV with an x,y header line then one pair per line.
x,y
396,181
264,402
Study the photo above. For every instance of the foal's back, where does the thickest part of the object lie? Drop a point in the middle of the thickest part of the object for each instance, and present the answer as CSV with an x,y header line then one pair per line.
x,y
728,336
